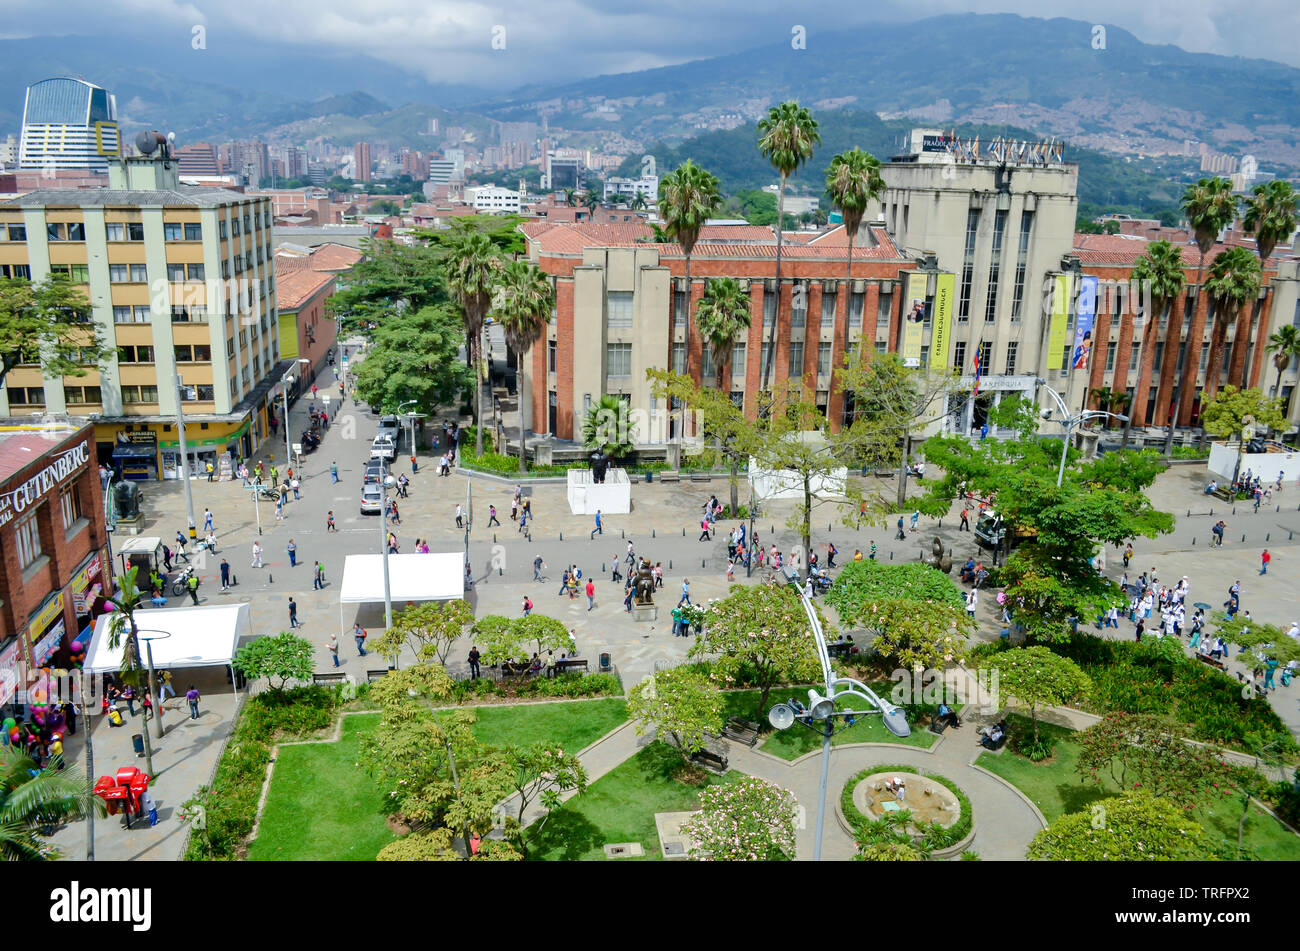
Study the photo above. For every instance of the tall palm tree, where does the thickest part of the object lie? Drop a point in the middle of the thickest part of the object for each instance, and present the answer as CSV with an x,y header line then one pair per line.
x,y
1210,206
786,139
472,271
524,309
1101,397
1284,345
688,197
1271,215
637,202
571,197
724,312
1161,269
591,200
33,800
853,180
1233,282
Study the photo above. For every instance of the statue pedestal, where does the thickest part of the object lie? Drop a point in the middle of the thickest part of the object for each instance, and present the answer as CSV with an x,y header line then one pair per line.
x,y
645,612
611,497
129,526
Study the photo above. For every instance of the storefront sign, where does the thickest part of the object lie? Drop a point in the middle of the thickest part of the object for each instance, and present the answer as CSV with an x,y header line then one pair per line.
x,y
48,645
64,466
10,659
84,579
41,619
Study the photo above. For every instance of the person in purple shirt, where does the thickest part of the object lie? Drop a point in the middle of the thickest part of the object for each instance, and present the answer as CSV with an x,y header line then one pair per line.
x,y
192,695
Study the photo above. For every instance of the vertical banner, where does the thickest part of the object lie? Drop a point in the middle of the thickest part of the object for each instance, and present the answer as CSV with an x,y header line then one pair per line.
x,y
944,286
1083,319
914,319
1060,310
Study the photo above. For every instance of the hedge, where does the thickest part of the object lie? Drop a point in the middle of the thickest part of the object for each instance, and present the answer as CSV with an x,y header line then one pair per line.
x,y
936,836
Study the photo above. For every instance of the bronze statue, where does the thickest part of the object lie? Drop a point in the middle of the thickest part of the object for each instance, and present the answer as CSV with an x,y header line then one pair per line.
x,y
937,558
127,498
644,581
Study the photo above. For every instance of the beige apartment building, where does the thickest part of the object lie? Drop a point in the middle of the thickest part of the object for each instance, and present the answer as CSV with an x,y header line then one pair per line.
x,y
180,280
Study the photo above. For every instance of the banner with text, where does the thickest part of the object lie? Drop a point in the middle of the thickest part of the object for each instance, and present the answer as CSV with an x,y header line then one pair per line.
x,y
914,319
1060,313
1084,312
940,338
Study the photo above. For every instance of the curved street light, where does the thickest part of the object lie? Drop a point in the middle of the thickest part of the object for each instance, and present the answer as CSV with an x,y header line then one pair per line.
x,y
1071,423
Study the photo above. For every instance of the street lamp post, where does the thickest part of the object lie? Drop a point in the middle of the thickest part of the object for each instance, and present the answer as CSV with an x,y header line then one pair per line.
x,y
1071,423
153,676
820,713
285,383
385,485
185,464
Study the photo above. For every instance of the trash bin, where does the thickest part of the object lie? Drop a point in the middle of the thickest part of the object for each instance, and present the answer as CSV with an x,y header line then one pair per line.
x,y
605,661
649,477
137,743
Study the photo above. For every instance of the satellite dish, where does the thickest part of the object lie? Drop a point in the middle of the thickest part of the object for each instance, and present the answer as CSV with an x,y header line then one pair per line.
x,y
781,716
147,143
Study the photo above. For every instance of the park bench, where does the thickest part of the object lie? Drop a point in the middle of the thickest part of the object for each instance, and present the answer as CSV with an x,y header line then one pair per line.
x,y
373,675
984,742
516,670
1223,492
1212,661
326,679
670,475
701,477
938,724
564,666
742,731
713,762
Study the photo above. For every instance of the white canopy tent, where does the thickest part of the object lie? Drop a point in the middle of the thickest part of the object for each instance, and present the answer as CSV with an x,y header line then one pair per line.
x,y
437,576
199,637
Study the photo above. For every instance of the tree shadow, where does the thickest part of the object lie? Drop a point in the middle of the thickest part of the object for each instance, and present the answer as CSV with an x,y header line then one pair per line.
x,y
568,834
1076,797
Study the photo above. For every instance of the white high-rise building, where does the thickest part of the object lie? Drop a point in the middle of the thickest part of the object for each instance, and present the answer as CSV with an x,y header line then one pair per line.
x,y
69,124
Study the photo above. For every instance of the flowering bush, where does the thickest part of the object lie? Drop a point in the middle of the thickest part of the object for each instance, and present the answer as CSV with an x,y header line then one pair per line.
x,y
1138,827
746,821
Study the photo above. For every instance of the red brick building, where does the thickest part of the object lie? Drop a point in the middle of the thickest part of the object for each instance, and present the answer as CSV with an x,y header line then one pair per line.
x,y
52,541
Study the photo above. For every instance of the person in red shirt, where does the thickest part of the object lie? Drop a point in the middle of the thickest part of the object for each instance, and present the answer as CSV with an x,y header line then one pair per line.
x,y
1264,559
591,594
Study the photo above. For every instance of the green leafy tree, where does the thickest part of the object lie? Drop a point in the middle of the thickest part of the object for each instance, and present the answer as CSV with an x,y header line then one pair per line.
x,y
1146,751
1232,410
1039,678
591,201
34,801
750,820
688,198
428,629
390,279
438,845
473,269
48,323
539,772
1137,827
385,206
1232,285
515,640
1262,640
853,181
1271,213
415,357
279,659
723,313
523,311
680,704
762,632
1285,347
608,427
786,139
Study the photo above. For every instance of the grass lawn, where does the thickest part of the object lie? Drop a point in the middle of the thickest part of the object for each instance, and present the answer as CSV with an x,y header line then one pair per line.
x,y
795,742
1057,789
619,807
323,806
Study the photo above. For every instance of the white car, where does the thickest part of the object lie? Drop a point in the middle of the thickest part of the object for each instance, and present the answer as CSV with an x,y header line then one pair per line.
x,y
372,498
384,447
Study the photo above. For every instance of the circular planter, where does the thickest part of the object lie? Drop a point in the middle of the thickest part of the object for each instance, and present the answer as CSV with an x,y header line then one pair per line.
x,y
860,789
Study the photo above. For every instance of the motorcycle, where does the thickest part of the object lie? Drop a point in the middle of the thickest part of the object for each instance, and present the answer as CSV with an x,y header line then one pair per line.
x,y
179,586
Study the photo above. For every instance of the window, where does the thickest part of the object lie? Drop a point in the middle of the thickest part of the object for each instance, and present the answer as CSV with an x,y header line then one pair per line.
x,y
764,351
135,354
176,272
199,353
1159,360
70,506
769,309
23,271
248,223
26,395
550,356
959,356
222,231
738,359
824,359
121,314
796,359
1011,358
1134,352
141,313
1182,357
828,308
139,274
29,541
82,394
1205,356
76,231
76,273
193,231
173,232
706,361
799,305
243,339
1114,320
882,346
738,399
194,272
619,305
118,273
205,392
679,358
115,231
1067,359
225,270
17,232
986,358
139,394
995,267
1111,348
234,227
56,231
968,267
230,347
134,231
856,304
618,359
1227,358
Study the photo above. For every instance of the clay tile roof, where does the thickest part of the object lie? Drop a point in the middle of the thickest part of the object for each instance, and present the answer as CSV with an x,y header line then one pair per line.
x,y
750,233
334,257
297,287
289,263
1123,250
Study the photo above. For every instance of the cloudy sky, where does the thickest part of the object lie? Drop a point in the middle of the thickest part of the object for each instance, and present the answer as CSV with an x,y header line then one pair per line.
x,y
446,40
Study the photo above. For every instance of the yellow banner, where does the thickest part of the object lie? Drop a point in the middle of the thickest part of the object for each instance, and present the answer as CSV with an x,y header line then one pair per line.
x,y
914,319
1060,312
939,337
41,620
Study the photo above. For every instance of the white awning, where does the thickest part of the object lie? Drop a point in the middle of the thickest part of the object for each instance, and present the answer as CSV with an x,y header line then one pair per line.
x,y
200,637
437,576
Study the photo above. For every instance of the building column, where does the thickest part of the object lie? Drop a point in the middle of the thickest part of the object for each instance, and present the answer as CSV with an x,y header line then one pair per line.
x,y
1101,342
1150,334
566,302
694,342
781,357
1119,381
1169,363
812,339
839,347
1192,368
870,310
754,348
1261,341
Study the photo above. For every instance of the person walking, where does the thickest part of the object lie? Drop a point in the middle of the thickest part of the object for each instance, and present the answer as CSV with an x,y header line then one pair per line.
x,y
166,690
293,613
831,552
293,484
257,555
292,549
901,534
207,520
192,696
965,519
460,518
225,575
686,592
329,522
538,565
167,558
591,594
872,556
474,656
915,518
1264,559
359,635
631,555
211,471
615,574
492,516
597,530
528,602
193,584
318,577
334,473
333,647
704,530
514,509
